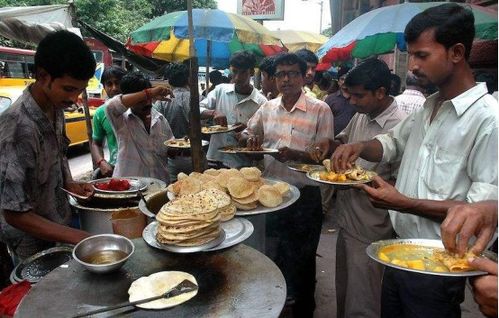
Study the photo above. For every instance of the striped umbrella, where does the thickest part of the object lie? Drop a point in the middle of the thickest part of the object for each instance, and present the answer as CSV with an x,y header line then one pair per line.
x,y
216,33
295,40
380,30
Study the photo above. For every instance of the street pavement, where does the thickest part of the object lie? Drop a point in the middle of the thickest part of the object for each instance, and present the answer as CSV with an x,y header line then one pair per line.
x,y
325,295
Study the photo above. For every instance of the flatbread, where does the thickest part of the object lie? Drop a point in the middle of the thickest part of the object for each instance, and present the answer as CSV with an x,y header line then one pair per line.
x,y
245,207
251,173
269,197
158,284
239,187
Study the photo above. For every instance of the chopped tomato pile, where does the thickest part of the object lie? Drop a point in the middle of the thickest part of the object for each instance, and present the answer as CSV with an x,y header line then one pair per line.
x,y
114,185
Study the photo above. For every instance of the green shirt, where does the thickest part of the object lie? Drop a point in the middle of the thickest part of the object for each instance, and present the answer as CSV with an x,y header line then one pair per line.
x,y
102,129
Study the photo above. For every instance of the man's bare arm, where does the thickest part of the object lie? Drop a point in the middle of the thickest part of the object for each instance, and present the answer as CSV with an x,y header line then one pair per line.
x,y
42,228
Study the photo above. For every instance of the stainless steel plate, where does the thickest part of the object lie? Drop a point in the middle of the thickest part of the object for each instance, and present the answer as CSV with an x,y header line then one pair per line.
x,y
170,144
314,175
205,130
288,199
236,231
246,151
149,235
303,167
135,185
373,249
34,268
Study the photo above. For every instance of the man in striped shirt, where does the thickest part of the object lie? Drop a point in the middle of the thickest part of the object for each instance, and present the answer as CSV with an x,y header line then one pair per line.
x,y
290,123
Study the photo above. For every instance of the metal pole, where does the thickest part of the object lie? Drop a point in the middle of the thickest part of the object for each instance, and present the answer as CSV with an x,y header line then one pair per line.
x,y
320,21
195,117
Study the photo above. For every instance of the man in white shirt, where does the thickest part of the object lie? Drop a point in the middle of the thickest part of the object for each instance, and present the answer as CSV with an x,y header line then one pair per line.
x,y
231,104
412,98
448,152
141,130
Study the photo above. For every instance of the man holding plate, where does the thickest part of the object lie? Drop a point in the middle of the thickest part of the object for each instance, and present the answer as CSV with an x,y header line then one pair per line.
x,y
290,123
358,278
448,153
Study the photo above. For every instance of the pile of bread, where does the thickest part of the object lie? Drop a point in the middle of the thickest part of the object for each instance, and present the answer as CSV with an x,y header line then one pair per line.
x,y
194,219
246,187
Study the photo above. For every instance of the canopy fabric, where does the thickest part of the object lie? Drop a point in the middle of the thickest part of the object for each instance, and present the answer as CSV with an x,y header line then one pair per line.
x,y
381,30
31,24
295,40
166,37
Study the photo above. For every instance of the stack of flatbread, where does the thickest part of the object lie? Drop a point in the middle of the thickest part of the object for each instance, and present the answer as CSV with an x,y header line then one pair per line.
x,y
193,219
246,187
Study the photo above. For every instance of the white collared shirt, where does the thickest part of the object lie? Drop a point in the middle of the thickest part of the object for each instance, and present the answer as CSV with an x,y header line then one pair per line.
x,y
453,158
140,154
224,99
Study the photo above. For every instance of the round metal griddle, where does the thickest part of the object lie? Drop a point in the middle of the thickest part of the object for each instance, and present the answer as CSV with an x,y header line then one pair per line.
x,y
235,282
34,268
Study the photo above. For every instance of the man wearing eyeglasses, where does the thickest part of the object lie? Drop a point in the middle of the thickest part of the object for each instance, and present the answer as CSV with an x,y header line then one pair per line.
x,y
290,123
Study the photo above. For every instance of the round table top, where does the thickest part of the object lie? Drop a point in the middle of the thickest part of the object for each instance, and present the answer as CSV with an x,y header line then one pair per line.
x,y
235,282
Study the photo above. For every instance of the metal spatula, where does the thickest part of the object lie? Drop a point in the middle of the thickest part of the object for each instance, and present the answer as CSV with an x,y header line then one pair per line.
x,y
184,287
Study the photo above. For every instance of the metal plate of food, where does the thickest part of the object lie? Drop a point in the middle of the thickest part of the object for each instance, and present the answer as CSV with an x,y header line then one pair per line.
x,y
134,185
236,231
423,256
34,268
244,150
218,129
149,235
183,143
287,199
315,175
303,167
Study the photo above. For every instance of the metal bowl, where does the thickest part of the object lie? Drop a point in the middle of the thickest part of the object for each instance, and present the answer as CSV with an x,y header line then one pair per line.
x,y
99,253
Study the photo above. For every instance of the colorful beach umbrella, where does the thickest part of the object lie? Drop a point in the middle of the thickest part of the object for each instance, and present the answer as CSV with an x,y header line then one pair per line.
x,y
166,37
381,30
295,40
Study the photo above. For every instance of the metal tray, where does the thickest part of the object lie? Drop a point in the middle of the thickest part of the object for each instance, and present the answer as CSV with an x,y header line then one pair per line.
x,y
149,235
35,267
188,146
135,185
303,167
373,248
314,175
288,199
236,231
229,129
246,151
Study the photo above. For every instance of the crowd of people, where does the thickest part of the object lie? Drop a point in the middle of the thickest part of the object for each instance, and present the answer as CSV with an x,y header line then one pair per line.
x,y
435,157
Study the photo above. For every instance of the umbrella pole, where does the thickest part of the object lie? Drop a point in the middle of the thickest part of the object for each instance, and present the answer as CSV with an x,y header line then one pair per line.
x,y
195,118
208,63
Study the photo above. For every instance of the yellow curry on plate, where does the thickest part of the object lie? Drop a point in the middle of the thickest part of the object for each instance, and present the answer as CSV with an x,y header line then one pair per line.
x,y
424,258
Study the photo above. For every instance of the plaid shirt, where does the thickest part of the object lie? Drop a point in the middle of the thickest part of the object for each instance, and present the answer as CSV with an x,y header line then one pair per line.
x,y
307,122
410,100
32,155
140,154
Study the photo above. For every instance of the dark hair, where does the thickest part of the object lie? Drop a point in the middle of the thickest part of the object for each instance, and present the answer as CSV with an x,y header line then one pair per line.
x,y
112,71
134,82
371,74
177,74
308,56
267,65
343,71
243,59
395,84
215,77
489,79
452,23
291,59
64,53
